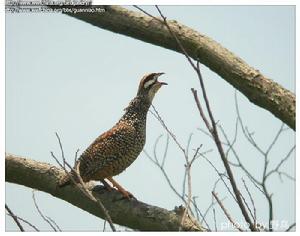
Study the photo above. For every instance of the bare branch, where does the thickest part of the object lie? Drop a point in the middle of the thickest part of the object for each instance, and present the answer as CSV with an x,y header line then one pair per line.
x,y
155,148
166,176
215,220
198,212
206,122
166,151
15,218
275,138
156,114
226,212
252,202
47,219
245,130
26,222
62,150
214,133
290,227
221,175
104,224
83,187
187,166
276,169
270,203
76,156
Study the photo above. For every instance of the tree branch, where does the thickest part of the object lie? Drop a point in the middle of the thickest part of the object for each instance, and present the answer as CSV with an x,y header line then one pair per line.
x,y
226,212
15,218
131,213
259,89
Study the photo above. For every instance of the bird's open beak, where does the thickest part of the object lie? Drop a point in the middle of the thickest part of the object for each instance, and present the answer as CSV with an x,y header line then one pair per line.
x,y
161,83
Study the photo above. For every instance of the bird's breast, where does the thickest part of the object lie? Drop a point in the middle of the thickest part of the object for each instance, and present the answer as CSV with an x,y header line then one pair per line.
x,y
130,151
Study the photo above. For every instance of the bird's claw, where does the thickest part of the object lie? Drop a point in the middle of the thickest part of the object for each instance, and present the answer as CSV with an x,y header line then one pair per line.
x,y
126,195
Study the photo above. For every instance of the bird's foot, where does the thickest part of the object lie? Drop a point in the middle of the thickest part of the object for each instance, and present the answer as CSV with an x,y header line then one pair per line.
x,y
120,189
126,195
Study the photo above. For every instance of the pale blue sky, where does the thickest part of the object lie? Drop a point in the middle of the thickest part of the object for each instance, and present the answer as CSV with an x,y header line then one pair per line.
x,y
64,75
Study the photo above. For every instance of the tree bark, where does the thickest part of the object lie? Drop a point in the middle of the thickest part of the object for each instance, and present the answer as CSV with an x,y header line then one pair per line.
x,y
255,86
130,213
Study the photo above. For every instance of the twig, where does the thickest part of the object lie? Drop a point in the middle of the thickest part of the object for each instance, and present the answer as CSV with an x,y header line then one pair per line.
x,y
166,151
270,203
82,185
155,147
184,183
147,13
221,177
15,218
252,202
205,132
187,149
226,164
239,164
211,127
46,219
26,222
206,122
215,220
246,132
76,155
156,114
248,207
156,162
228,143
280,173
266,174
262,183
187,165
275,139
276,169
189,199
290,227
226,212
166,177
61,149
104,225
199,213
54,223
207,211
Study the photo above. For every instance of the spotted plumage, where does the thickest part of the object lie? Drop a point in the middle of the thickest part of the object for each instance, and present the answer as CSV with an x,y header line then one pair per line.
x,y
115,150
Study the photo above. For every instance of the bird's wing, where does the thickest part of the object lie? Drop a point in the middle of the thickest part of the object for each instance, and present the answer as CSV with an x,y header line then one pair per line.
x,y
108,147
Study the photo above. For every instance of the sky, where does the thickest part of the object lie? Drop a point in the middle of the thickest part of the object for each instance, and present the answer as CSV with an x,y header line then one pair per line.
x,y
66,76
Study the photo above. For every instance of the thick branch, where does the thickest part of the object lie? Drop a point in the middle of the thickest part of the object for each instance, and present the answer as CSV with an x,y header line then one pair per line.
x,y
130,213
256,87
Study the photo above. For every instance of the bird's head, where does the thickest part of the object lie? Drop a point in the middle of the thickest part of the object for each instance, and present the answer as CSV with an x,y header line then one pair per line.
x,y
149,85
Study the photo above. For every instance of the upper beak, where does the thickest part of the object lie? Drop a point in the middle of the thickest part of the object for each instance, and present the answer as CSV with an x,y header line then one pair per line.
x,y
161,83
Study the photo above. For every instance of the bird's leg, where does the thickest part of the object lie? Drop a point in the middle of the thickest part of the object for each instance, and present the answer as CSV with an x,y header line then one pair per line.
x,y
125,193
106,185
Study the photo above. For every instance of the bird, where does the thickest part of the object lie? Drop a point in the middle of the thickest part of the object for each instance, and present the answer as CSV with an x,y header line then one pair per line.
x,y
116,149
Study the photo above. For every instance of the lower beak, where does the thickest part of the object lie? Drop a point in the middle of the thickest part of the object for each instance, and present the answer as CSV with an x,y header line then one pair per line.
x,y
161,83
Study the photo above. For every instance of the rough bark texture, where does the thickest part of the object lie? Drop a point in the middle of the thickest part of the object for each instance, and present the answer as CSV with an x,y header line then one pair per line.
x,y
131,213
256,87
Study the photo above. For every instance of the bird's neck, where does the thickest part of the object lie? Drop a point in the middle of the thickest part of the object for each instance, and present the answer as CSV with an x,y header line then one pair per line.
x,y
137,109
